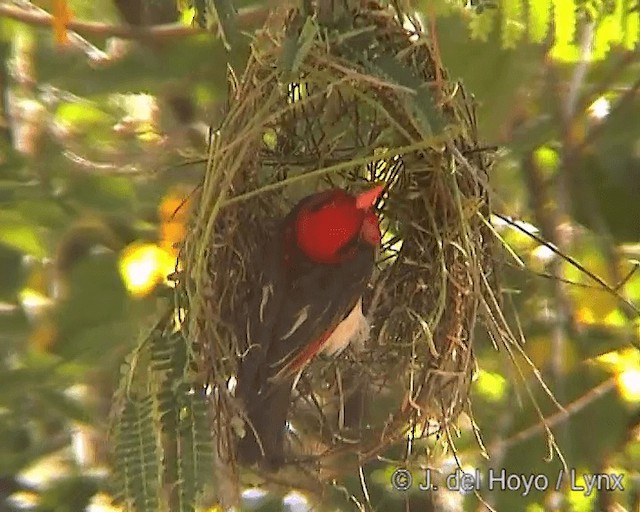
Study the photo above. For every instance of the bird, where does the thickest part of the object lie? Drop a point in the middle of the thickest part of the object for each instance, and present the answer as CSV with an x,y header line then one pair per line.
x,y
307,300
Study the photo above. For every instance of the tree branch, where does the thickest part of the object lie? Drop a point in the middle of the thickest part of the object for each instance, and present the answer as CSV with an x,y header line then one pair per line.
x,y
248,16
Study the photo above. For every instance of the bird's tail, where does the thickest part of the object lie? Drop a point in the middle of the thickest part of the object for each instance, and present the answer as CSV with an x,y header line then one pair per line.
x,y
263,442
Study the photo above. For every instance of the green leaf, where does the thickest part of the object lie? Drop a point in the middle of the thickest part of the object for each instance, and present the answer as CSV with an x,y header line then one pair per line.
x,y
227,22
196,444
137,454
513,23
422,103
201,12
598,340
539,18
12,168
632,30
108,193
481,24
64,405
82,114
69,494
296,47
179,417
533,134
17,232
604,413
603,37
43,212
20,379
11,265
607,193
14,326
564,18
495,98
185,64
92,319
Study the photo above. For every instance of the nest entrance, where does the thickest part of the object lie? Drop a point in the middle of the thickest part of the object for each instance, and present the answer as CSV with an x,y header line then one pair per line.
x,y
315,108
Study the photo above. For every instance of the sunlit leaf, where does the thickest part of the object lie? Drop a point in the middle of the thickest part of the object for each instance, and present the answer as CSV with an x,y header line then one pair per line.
x,y
482,24
607,32
592,305
16,232
547,159
579,500
477,64
632,30
564,17
82,114
539,18
143,266
629,385
491,386
565,52
513,24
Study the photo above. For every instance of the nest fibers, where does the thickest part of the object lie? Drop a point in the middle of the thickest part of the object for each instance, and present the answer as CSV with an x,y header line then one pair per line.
x,y
366,100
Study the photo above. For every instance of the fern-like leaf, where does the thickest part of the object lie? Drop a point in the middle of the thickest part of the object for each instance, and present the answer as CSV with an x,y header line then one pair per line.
x,y
564,17
196,462
481,24
137,464
161,428
539,18
632,26
421,104
513,23
296,47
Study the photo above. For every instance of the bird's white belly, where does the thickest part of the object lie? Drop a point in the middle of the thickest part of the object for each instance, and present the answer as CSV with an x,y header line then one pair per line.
x,y
353,329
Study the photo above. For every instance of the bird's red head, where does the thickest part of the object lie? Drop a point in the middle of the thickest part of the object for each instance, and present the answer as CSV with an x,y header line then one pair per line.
x,y
329,222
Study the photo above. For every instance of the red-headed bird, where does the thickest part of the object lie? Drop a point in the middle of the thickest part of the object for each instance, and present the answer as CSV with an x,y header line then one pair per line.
x,y
309,300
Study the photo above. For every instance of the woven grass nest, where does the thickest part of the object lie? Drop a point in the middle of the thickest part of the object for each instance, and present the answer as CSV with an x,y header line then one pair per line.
x,y
361,100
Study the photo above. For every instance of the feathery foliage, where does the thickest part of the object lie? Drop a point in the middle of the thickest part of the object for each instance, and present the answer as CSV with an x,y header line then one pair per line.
x,y
161,426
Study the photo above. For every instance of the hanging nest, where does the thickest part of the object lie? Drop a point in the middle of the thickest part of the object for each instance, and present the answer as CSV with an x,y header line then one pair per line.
x,y
341,103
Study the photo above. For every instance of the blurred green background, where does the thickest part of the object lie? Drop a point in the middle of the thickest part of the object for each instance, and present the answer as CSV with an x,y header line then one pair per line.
x,y
102,138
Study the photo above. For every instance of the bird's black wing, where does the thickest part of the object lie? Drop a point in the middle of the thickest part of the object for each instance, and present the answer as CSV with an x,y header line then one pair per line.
x,y
319,298
295,305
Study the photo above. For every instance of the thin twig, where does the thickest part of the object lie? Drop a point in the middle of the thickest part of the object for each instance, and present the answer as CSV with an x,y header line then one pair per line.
x,y
613,290
28,9
555,419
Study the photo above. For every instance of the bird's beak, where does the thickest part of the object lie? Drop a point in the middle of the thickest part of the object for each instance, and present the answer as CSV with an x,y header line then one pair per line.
x,y
367,199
